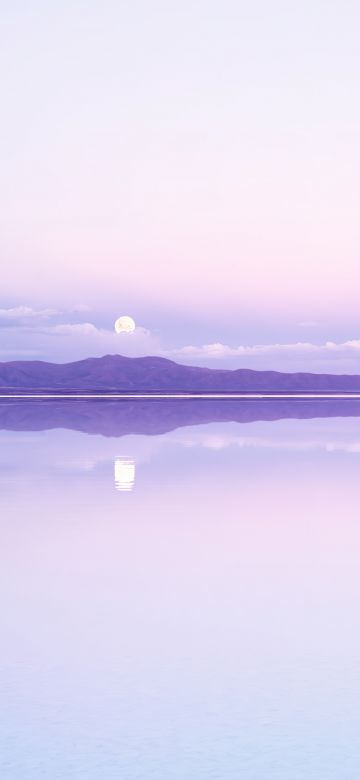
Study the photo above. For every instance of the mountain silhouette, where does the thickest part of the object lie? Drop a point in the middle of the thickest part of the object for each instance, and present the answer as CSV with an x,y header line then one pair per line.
x,y
116,373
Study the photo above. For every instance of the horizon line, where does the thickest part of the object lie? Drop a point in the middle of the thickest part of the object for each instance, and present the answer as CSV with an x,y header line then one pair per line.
x,y
180,396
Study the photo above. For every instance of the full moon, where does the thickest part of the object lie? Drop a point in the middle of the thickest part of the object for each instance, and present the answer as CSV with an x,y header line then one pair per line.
x,y
124,325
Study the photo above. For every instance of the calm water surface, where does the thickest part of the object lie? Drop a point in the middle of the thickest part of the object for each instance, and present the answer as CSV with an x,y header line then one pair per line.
x,y
181,605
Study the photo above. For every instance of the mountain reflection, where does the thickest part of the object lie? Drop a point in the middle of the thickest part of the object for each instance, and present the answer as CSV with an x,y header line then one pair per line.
x,y
153,417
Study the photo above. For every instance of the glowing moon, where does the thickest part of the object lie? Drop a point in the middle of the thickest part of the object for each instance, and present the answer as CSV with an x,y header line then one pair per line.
x,y
125,325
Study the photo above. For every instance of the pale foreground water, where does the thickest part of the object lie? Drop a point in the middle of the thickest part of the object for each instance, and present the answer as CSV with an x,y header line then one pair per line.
x,y
183,605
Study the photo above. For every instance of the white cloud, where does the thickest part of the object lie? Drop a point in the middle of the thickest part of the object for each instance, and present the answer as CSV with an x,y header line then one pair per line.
x,y
329,357
72,341
26,313
71,329
88,329
218,350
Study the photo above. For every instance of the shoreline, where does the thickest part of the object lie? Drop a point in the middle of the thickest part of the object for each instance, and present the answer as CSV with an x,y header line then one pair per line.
x,y
180,396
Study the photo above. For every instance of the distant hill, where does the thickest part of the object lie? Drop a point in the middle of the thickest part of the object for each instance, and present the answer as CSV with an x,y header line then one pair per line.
x,y
115,373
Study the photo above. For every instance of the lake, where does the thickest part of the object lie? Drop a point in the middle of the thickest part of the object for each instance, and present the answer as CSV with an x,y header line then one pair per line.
x,y
180,590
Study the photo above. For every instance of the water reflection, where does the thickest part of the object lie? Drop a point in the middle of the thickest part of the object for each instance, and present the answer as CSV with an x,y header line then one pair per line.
x,y
122,418
211,630
124,472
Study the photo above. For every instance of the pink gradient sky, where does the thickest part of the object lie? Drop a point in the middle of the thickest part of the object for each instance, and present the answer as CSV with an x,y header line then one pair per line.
x,y
194,164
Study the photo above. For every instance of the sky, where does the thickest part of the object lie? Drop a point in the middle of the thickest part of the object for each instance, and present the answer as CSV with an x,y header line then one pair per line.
x,y
192,164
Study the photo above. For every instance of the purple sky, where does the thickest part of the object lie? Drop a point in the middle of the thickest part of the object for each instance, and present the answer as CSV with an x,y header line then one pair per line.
x,y
192,164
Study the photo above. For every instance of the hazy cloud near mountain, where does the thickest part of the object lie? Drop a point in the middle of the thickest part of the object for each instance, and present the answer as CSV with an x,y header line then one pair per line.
x,y
49,334
220,351
329,357
66,341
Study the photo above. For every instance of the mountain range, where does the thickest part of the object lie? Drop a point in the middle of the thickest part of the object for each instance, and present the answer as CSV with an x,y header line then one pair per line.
x,y
116,373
